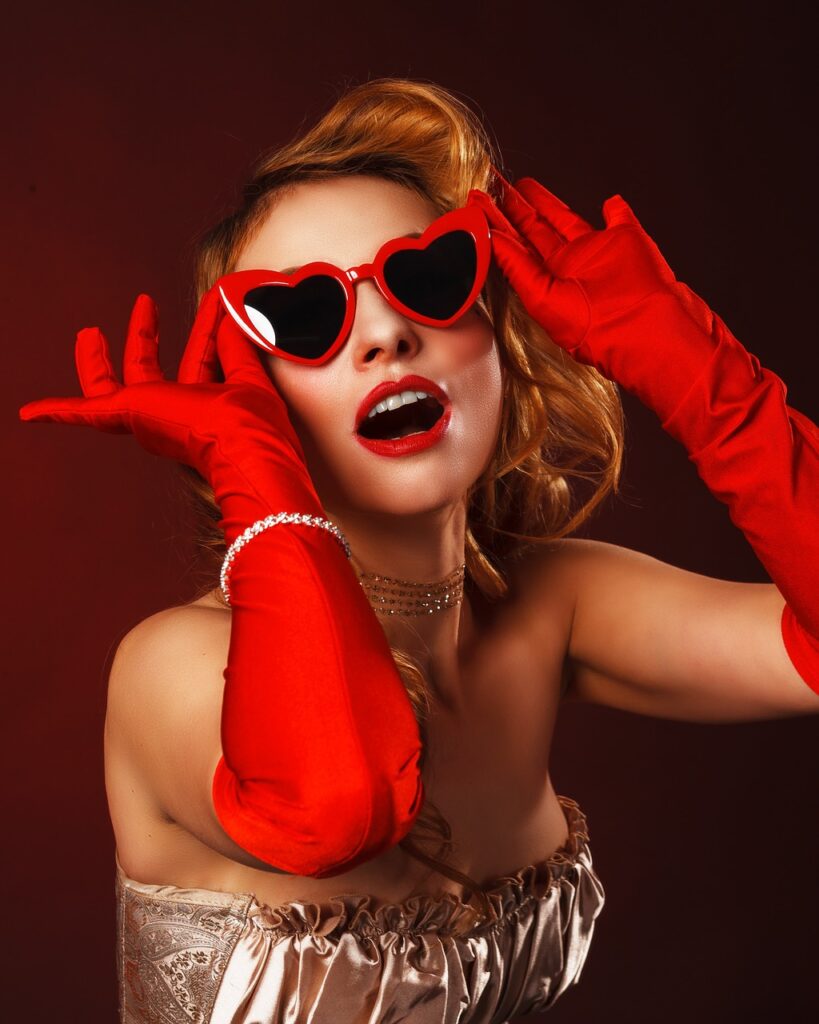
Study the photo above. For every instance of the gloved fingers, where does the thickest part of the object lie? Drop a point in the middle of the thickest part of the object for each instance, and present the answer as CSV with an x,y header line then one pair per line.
x,y
239,357
616,211
513,257
140,362
93,361
558,305
562,218
200,363
99,412
529,223
546,237
498,220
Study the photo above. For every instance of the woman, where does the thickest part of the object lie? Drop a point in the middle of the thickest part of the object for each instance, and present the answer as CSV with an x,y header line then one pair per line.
x,y
273,791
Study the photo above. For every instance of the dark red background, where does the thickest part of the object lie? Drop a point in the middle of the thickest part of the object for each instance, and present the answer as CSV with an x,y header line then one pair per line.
x,y
128,129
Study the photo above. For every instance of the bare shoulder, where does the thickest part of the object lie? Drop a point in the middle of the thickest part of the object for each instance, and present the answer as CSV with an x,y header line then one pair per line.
x,y
572,574
561,592
163,718
554,572
539,609
156,660
175,633
166,683
545,578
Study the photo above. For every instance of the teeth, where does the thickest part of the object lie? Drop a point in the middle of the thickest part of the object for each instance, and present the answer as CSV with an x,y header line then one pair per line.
x,y
396,401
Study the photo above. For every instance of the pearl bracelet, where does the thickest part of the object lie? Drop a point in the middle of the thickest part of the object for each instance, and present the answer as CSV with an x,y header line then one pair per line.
x,y
264,524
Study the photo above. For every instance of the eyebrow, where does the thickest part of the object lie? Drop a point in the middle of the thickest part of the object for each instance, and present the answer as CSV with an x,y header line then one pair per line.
x,y
292,270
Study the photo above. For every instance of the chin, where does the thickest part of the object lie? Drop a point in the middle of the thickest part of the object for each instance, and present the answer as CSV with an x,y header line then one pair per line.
x,y
409,510
411,486
421,501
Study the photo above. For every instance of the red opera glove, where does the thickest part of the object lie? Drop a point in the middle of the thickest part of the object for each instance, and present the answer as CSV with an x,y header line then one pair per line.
x,y
320,745
609,298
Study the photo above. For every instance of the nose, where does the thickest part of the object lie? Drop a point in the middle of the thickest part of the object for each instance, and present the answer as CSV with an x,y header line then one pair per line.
x,y
379,330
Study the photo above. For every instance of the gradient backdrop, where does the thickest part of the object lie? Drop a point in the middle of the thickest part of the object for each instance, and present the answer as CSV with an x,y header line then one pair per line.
x,y
127,130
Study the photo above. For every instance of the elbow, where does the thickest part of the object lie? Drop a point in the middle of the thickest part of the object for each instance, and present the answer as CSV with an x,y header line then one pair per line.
x,y
802,650
393,806
319,837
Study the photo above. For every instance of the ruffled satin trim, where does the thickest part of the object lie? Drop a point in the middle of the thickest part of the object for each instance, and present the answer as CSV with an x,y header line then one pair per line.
x,y
444,913
217,957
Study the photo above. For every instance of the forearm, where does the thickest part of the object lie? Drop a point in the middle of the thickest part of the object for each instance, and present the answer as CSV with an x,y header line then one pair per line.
x,y
320,744
609,298
760,457
320,747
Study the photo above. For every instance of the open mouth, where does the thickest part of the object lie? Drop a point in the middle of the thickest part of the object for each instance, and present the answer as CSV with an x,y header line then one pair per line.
x,y
415,418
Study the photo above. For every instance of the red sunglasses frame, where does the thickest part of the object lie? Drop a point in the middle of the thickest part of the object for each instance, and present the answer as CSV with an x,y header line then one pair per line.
x,y
233,287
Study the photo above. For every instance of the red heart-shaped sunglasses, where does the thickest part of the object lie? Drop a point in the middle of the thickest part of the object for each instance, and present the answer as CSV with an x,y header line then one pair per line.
x,y
306,316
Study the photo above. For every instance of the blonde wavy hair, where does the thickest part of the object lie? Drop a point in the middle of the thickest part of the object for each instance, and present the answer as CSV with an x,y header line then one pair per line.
x,y
562,425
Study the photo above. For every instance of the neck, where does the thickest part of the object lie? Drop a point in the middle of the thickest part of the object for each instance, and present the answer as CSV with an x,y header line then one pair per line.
x,y
420,549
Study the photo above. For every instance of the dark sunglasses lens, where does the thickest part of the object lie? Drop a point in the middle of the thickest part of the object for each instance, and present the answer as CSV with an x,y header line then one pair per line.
x,y
435,281
303,320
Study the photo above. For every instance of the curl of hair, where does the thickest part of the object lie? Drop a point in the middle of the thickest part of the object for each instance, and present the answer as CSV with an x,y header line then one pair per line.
x,y
562,425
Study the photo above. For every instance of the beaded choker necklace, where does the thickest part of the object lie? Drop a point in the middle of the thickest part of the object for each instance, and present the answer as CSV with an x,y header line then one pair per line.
x,y
390,596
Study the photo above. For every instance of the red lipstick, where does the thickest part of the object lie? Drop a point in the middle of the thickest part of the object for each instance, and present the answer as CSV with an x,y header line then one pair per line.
x,y
395,387
414,442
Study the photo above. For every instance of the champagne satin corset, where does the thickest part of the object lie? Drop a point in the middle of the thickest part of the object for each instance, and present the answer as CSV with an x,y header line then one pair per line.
x,y
201,956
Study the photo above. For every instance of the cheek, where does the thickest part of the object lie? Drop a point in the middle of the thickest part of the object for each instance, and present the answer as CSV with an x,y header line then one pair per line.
x,y
471,344
307,395
488,386
477,368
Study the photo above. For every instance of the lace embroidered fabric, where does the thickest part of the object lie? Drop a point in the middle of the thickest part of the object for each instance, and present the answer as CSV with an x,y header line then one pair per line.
x,y
201,956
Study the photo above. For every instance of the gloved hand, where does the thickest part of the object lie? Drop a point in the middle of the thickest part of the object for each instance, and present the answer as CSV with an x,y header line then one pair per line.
x,y
320,744
610,300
